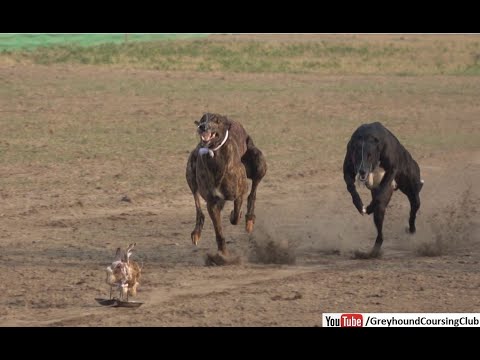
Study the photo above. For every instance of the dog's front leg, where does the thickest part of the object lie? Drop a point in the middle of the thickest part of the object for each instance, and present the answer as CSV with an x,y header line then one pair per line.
x,y
349,177
384,191
237,210
214,210
357,201
385,186
196,233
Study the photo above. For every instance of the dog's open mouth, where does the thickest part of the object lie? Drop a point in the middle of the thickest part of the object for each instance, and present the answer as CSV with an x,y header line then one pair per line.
x,y
362,179
365,180
207,137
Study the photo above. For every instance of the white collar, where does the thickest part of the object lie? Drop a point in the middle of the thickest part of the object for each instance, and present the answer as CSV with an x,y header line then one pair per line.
x,y
223,142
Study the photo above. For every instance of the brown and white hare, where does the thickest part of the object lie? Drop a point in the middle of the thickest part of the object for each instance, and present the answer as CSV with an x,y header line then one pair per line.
x,y
124,273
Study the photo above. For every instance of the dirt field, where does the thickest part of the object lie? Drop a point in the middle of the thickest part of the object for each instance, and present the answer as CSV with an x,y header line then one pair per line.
x,y
76,140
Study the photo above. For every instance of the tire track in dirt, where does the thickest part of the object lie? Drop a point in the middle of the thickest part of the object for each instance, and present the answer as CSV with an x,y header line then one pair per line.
x,y
206,286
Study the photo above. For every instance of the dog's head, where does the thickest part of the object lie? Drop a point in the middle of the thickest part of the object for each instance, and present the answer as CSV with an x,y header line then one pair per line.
x,y
365,152
212,129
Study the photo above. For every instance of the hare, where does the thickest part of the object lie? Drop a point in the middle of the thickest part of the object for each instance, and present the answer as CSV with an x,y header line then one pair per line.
x,y
124,273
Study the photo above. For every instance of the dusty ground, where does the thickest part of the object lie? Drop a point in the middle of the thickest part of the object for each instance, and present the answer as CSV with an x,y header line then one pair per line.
x,y
67,162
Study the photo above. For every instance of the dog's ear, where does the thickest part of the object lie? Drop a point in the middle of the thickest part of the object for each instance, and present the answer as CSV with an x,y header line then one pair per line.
x,y
378,144
227,123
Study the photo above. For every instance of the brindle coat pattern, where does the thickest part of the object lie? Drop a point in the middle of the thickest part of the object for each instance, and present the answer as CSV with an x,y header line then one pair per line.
x,y
218,173
373,145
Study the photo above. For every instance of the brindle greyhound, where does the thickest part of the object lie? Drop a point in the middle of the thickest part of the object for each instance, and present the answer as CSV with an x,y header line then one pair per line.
x,y
217,170
376,156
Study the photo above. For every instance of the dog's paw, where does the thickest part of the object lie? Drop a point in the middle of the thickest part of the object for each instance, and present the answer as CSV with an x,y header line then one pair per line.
x,y
195,238
370,208
410,230
365,255
234,220
362,255
376,253
249,226
249,223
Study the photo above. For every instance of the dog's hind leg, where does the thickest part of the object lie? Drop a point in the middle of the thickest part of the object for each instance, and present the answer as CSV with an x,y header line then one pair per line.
x,y
237,210
214,210
256,167
199,222
250,216
378,217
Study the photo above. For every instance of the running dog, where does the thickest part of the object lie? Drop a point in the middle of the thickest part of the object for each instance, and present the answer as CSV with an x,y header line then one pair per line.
x,y
217,170
377,159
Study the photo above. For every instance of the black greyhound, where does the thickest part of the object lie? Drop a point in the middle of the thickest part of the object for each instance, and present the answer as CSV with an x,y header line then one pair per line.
x,y
376,156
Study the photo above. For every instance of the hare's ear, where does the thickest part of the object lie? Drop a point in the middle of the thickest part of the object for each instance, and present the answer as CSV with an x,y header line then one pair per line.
x,y
129,251
130,247
118,255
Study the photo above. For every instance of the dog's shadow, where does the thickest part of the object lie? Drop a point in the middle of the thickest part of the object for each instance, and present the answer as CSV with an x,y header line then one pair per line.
x,y
219,259
365,255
